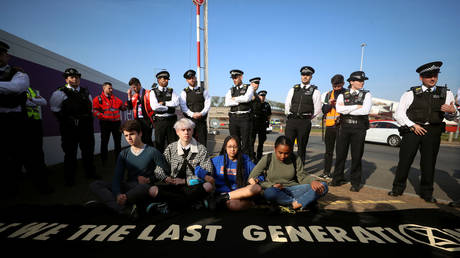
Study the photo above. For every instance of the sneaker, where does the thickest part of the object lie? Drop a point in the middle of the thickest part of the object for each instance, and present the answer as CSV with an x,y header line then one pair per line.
x,y
325,176
157,207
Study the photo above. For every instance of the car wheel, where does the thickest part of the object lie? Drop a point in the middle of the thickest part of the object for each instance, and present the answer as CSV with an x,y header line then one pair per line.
x,y
394,140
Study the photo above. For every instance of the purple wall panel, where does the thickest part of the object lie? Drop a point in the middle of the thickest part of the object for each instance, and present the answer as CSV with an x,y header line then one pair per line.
x,y
47,80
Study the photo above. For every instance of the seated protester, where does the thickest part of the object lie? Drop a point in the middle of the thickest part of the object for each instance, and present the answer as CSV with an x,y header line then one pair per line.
x,y
139,161
231,174
285,181
183,188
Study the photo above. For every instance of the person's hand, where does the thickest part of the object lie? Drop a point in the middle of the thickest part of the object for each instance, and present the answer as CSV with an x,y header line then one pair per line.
x,y
317,187
179,181
121,199
143,180
448,108
197,115
169,180
129,92
253,181
279,186
161,103
418,130
332,102
209,179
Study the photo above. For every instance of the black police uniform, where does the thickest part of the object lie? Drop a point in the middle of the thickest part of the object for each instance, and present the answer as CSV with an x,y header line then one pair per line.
x,y
351,133
262,112
425,110
195,101
76,127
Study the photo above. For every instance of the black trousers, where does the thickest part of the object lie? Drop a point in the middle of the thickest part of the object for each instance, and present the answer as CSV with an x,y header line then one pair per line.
x,y
164,132
146,128
352,138
200,133
107,128
329,141
75,134
428,145
241,126
34,158
180,196
299,129
259,130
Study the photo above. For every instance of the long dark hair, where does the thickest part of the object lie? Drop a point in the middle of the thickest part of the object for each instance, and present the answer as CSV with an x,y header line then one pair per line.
x,y
240,182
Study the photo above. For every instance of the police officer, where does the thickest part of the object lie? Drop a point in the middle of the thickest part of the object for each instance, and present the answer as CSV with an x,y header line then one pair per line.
x,y
262,113
72,106
238,98
195,103
138,102
420,113
107,107
354,105
164,102
330,115
254,82
13,87
303,102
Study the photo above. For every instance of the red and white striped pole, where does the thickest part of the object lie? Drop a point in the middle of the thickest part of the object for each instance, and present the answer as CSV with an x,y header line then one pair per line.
x,y
198,3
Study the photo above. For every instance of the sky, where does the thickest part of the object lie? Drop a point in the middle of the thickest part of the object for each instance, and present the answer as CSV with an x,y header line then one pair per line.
x,y
268,39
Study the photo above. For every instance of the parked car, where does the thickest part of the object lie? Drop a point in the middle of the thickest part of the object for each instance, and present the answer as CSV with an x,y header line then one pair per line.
x,y
269,129
384,131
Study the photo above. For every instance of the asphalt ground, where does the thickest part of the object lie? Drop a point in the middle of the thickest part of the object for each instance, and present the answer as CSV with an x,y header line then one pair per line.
x,y
339,198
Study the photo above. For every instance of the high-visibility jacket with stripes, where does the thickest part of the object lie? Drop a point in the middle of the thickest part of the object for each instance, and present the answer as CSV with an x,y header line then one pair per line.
x,y
132,103
33,112
107,108
332,115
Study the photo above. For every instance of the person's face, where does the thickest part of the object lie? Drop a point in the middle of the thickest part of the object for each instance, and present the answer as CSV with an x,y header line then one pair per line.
x,y
4,58
237,79
73,81
262,98
185,134
357,85
191,81
429,80
338,86
282,152
163,81
107,90
133,137
255,86
306,78
232,148
136,87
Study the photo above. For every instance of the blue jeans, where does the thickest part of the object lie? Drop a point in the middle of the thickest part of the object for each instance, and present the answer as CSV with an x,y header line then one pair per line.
x,y
303,194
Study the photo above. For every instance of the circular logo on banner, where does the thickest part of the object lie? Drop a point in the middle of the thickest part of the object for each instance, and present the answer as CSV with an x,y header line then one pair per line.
x,y
215,123
431,236
198,2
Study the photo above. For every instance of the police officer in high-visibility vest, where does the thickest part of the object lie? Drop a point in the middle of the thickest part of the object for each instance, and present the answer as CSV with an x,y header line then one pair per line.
x,y
238,98
13,87
107,107
303,102
34,158
353,105
262,113
330,115
195,103
72,106
163,103
138,103
420,113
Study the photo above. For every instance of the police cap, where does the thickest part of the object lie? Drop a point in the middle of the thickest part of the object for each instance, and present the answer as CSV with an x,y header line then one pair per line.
x,y
307,70
4,47
429,69
337,79
255,80
235,72
189,74
71,72
162,74
262,93
357,76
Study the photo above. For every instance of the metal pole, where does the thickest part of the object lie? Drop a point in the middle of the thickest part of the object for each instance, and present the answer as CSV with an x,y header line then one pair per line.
x,y
362,55
205,50
198,77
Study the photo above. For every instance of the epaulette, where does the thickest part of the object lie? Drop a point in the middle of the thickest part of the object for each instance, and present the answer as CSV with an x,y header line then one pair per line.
x,y
296,86
417,90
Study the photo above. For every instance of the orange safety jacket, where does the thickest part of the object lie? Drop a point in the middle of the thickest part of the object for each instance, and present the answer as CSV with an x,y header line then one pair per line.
x,y
147,106
105,108
332,115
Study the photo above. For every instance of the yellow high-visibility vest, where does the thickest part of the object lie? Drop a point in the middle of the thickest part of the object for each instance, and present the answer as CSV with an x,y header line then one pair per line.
x,y
33,112
332,115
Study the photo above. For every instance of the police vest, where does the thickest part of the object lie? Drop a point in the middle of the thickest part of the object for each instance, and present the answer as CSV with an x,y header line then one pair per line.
x,y
350,99
332,115
261,110
240,92
11,100
77,105
354,99
32,112
302,100
195,99
426,106
164,96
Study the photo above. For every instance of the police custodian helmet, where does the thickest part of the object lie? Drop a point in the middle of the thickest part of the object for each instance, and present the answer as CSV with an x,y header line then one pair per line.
x,y
71,72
